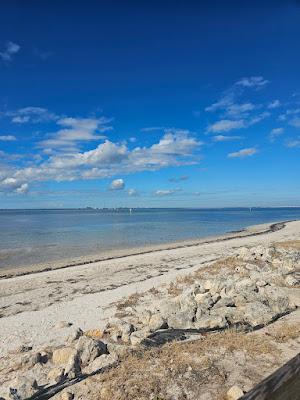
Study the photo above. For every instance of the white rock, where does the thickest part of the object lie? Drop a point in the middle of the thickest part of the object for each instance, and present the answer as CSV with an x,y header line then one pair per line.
x,y
234,393
104,361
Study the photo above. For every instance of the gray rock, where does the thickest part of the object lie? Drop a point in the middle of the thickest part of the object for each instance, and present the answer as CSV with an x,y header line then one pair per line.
x,y
211,322
256,314
157,322
104,361
138,336
88,349
56,375
22,388
75,335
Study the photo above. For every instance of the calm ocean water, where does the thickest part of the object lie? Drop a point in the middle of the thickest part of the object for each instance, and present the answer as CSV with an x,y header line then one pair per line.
x,y
38,236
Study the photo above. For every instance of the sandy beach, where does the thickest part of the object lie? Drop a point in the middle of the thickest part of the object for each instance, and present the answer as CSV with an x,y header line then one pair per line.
x,y
33,304
53,322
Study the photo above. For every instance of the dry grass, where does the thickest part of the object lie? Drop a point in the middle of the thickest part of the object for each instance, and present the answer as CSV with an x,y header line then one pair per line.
x,y
285,332
130,301
178,367
290,244
174,289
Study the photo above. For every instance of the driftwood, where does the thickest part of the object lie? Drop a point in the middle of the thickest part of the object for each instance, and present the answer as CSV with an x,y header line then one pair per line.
x,y
283,384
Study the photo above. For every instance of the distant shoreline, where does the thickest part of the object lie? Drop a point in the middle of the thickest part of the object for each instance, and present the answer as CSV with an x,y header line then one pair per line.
x,y
249,231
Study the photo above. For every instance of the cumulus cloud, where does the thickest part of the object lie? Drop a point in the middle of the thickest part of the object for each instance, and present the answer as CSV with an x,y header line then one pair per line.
x,y
66,162
7,138
117,184
275,133
252,82
11,49
243,153
222,138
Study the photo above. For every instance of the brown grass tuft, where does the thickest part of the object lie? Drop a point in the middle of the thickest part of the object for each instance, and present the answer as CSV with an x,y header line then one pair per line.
x,y
290,244
130,301
181,367
285,332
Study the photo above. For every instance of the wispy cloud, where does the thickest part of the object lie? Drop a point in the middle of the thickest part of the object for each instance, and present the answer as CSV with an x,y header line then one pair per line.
x,y
274,104
179,178
275,133
75,130
295,122
166,192
11,49
31,115
133,192
293,143
7,138
243,153
222,138
252,82
226,125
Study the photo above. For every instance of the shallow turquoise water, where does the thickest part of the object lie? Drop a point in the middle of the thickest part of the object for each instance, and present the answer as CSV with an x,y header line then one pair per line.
x,y
35,236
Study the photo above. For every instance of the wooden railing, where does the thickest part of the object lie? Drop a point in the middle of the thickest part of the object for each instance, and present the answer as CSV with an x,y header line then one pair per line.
x,y
283,384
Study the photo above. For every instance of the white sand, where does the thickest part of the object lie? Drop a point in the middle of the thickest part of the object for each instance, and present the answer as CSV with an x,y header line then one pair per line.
x,y
31,305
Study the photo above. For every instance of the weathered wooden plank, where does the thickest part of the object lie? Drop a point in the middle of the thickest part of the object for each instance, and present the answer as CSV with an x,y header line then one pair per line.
x,y
283,384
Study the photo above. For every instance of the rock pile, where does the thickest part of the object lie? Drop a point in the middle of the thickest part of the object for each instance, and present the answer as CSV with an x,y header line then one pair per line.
x,y
258,287
250,295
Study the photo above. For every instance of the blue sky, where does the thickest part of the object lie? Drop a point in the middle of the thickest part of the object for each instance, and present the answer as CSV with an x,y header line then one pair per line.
x,y
161,103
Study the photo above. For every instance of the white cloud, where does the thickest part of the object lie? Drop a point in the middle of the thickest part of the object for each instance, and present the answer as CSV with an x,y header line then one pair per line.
x,y
293,143
274,104
226,125
76,130
11,49
222,138
243,153
132,192
117,184
7,138
252,82
22,189
275,133
108,159
30,115
295,122
165,192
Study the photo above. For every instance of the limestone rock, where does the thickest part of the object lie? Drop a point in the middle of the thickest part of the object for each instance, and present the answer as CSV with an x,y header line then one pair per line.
x,y
22,388
66,396
234,393
211,322
157,322
104,361
56,375
63,355
119,330
138,336
75,335
88,349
